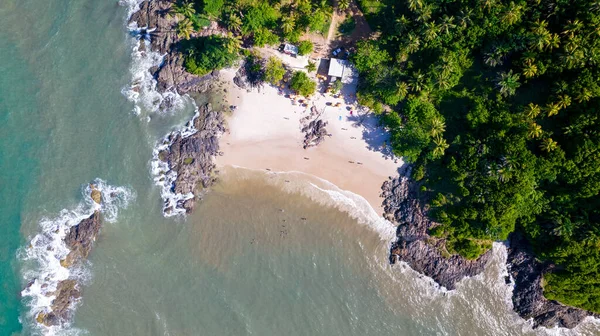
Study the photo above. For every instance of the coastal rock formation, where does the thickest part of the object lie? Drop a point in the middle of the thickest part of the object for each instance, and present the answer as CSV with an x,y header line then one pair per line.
x,y
528,295
67,293
423,253
314,133
79,240
159,27
190,156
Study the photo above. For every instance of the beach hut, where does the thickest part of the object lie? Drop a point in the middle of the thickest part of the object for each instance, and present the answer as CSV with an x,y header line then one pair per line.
x,y
336,69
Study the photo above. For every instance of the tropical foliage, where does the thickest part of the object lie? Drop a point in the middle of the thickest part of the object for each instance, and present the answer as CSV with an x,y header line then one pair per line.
x,y
497,105
205,54
302,84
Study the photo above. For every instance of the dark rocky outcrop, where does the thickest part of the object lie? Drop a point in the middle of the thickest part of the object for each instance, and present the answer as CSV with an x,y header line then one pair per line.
x,y
79,240
314,133
159,26
67,293
191,157
528,295
423,253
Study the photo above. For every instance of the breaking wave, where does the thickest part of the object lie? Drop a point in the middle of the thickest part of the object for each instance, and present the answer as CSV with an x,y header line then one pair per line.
x,y
142,90
164,176
42,270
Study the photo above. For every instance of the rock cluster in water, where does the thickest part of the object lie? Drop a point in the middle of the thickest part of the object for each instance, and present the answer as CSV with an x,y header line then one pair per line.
x,y
191,156
528,294
79,240
160,27
423,253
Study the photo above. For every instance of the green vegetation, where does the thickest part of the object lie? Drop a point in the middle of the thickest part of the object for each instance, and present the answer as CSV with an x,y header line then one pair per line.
x,y
347,27
302,85
497,106
204,54
274,71
337,86
311,66
305,48
264,22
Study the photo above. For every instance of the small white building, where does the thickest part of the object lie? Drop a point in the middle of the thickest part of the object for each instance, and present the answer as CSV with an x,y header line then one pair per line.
x,y
342,70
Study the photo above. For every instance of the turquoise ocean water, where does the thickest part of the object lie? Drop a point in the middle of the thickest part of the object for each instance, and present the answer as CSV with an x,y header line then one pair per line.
x,y
245,263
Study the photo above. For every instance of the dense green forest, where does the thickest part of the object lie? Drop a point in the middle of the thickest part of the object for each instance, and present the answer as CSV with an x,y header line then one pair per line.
x,y
496,105
249,22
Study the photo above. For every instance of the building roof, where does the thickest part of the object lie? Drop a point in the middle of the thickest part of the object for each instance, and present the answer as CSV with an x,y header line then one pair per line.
x,y
336,67
290,48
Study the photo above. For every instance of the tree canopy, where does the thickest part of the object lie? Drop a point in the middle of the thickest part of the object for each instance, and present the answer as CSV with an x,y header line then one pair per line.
x,y
302,84
496,104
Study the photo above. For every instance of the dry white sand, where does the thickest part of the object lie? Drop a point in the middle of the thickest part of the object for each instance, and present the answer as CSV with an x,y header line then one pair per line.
x,y
265,133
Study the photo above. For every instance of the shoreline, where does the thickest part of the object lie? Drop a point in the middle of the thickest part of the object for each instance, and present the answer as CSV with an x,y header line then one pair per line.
x,y
264,132
269,136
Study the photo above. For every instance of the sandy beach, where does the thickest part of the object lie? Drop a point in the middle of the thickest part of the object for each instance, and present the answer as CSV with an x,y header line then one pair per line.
x,y
265,133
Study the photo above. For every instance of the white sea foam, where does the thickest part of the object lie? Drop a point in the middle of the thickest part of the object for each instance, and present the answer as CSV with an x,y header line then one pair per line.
x,y
142,90
42,269
164,176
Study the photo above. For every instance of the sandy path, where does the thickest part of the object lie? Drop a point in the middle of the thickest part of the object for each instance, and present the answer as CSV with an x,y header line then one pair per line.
x,y
264,133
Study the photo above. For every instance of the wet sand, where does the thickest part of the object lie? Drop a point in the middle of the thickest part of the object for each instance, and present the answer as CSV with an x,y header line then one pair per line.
x,y
265,133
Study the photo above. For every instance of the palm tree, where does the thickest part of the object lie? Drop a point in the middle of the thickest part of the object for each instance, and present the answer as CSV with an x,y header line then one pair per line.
x,y
417,82
488,3
287,24
465,17
572,28
440,146
436,127
553,109
412,43
535,131
233,43
401,23
564,101
311,66
402,89
414,4
447,24
234,22
186,9
532,110
343,5
425,13
431,31
530,70
584,95
539,27
548,145
508,83
542,40
442,81
513,14
493,58
553,42
185,29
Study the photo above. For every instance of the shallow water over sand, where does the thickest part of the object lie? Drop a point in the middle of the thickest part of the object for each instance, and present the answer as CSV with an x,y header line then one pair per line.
x,y
263,256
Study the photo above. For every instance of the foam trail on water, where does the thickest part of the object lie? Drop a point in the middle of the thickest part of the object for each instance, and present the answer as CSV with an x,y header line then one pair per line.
x,y
42,270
